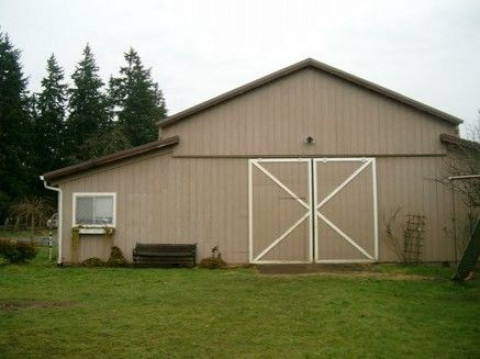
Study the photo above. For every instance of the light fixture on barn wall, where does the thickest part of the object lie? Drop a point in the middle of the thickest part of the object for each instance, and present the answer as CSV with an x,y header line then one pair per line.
x,y
309,141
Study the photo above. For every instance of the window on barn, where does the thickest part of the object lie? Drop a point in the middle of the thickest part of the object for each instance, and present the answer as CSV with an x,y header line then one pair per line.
x,y
94,209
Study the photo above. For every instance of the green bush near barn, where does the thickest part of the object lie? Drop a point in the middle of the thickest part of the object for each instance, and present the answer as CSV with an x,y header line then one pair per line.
x,y
16,251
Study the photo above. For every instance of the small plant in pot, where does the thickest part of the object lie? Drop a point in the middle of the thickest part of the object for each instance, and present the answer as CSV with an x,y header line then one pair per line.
x,y
213,262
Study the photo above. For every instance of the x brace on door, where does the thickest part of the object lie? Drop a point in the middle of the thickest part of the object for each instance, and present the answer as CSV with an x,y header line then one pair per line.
x,y
313,207
367,162
307,206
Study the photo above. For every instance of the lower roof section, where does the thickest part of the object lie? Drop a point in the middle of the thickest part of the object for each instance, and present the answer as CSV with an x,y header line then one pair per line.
x,y
459,142
110,159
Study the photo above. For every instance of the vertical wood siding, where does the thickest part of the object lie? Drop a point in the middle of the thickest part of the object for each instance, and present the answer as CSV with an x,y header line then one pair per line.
x,y
198,193
204,201
166,200
344,120
410,185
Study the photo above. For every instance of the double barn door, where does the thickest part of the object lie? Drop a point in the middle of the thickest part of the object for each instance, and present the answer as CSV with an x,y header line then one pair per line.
x,y
313,210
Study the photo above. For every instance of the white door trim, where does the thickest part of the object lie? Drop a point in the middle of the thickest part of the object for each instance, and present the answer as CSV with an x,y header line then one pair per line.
x,y
342,186
367,162
308,206
313,214
346,237
281,185
282,237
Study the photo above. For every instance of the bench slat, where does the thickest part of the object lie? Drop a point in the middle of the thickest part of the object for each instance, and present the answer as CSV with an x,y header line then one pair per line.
x,y
147,254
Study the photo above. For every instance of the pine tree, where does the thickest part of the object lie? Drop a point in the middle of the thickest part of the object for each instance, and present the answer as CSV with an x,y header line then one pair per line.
x,y
140,102
88,121
50,120
15,128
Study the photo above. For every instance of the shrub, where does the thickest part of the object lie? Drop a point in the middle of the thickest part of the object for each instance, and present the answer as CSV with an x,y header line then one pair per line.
x,y
117,259
16,251
93,262
213,263
4,245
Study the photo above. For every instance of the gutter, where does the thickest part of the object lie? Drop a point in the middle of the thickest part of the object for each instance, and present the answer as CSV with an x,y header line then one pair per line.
x,y
60,217
465,177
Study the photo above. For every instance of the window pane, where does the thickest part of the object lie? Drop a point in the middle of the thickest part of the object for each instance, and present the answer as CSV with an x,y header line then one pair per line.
x,y
94,210
103,210
84,210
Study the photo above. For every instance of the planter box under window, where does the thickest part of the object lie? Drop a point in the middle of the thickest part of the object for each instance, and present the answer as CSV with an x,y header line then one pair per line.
x,y
92,230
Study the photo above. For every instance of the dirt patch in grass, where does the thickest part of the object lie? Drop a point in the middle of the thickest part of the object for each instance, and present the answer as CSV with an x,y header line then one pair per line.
x,y
379,275
341,270
16,305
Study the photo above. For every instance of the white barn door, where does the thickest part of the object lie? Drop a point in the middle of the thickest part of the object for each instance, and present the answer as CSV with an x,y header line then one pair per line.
x,y
305,210
346,219
280,211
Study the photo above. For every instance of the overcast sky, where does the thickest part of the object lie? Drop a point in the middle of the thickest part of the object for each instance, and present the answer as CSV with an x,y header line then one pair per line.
x,y
426,50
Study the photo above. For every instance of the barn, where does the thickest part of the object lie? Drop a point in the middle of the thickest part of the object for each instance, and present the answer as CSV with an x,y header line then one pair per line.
x,y
307,164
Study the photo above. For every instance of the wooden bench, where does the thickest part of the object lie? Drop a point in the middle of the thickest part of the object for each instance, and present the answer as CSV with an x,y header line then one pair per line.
x,y
164,255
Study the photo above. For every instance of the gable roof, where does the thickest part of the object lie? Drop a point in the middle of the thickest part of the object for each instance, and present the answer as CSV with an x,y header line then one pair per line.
x,y
299,66
110,159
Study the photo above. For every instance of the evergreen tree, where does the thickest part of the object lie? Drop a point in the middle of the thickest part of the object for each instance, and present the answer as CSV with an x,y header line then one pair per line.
x,y
50,120
15,128
88,120
139,101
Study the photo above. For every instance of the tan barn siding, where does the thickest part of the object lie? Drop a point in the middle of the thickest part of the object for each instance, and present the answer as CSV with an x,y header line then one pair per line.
x,y
200,194
344,119
168,200
409,184
204,200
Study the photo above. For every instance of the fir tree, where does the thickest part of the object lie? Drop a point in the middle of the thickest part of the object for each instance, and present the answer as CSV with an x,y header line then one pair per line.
x,y
88,120
140,102
15,128
50,121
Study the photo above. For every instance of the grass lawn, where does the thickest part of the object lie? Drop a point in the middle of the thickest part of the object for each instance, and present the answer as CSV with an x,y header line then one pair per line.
x,y
388,312
21,235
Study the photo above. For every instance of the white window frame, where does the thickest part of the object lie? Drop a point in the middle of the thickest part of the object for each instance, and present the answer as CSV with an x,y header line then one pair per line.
x,y
94,228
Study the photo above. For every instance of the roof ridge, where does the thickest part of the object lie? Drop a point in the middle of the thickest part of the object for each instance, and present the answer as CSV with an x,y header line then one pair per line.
x,y
308,62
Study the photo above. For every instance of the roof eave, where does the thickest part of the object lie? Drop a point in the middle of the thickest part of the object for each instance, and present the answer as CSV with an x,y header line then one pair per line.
x,y
110,159
459,142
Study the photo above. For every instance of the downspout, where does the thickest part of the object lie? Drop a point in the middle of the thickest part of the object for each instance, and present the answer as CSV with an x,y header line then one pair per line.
x,y
60,217
454,222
